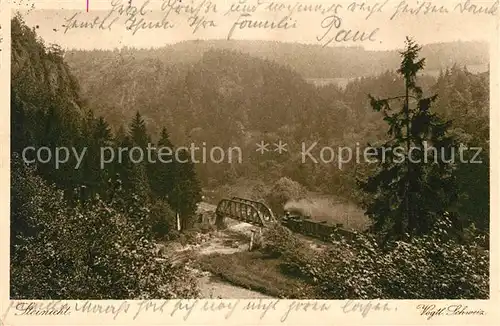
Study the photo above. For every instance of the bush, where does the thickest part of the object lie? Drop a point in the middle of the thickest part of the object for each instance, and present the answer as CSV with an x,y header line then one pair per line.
x,y
95,250
434,266
282,191
296,255
278,241
173,235
162,219
258,242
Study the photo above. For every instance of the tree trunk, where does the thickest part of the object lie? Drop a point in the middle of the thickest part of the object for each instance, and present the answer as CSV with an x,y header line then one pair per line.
x,y
407,215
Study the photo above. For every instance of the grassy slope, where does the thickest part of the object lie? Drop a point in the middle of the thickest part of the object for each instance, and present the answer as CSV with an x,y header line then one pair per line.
x,y
255,271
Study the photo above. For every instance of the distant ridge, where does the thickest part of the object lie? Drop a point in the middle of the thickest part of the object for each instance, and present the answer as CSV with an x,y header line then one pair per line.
x,y
315,61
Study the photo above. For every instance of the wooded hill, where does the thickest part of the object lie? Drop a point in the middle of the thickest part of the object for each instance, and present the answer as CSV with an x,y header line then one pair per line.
x,y
310,61
91,233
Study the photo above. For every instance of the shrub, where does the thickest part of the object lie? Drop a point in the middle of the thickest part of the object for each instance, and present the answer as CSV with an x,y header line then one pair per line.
x,y
432,266
162,219
278,241
296,255
258,242
93,250
282,191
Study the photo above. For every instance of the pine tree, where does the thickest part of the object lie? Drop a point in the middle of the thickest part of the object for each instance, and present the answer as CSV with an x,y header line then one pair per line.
x,y
186,192
138,131
463,97
101,137
138,182
408,195
20,136
102,131
120,134
123,166
162,174
132,171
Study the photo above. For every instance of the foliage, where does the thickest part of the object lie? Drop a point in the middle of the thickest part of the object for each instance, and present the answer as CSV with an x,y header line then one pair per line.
x,y
67,238
464,98
162,219
432,266
52,114
95,250
138,131
279,241
226,93
412,185
87,231
162,174
186,192
282,191
296,255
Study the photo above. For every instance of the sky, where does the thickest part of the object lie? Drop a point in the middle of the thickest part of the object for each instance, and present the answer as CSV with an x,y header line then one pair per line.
x,y
311,28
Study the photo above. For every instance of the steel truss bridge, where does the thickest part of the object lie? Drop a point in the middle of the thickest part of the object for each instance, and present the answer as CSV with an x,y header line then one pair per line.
x,y
244,210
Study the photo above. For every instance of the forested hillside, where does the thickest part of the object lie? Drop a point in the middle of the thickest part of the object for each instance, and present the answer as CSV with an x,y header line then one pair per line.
x,y
91,231
222,97
310,61
138,78
87,231
79,230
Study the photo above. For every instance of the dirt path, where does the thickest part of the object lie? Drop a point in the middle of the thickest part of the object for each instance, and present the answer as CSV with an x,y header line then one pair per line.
x,y
229,241
235,238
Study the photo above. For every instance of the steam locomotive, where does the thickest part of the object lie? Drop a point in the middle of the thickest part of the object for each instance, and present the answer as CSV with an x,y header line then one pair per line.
x,y
259,214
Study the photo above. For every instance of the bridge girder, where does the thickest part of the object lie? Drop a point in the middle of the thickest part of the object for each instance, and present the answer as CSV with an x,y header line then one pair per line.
x,y
248,211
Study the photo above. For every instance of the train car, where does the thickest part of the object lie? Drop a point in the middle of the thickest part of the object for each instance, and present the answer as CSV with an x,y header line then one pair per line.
x,y
309,227
257,213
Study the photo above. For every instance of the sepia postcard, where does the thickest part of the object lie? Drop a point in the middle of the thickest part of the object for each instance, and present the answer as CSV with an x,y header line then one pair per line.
x,y
242,162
